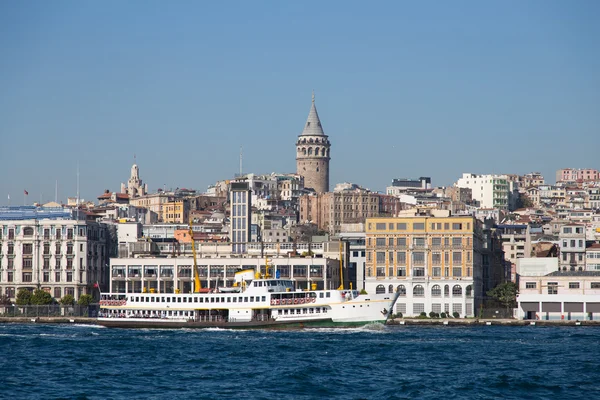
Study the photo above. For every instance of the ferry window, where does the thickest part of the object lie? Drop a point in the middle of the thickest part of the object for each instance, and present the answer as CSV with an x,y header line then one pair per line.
x,y
278,312
235,299
137,298
163,299
328,294
201,299
217,300
318,310
311,310
195,299
222,299
170,313
285,312
304,311
245,299
324,310
189,299
251,298
264,298
185,299
255,284
321,295
228,299
212,299
179,299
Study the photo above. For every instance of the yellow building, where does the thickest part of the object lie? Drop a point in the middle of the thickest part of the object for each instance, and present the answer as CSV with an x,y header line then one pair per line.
x,y
434,262
176,212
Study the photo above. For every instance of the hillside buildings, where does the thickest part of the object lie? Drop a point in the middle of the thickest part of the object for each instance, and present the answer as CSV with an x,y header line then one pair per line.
x,y
490,191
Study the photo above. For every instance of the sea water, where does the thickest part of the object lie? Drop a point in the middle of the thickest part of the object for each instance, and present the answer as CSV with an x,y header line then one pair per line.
x,y
374,362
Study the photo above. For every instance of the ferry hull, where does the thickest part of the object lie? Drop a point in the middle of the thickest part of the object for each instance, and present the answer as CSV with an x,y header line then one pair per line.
x,y
167,324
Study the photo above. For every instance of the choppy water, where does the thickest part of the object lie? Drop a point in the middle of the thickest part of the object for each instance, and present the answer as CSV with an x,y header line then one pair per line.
x,y
376,362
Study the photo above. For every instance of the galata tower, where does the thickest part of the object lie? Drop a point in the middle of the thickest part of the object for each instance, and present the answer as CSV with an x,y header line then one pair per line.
x,y
312,153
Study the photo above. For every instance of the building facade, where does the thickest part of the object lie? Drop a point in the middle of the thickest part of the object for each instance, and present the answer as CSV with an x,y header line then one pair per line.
x,y
491,191
60,255
312,153
577,175
240,216
572,247
435,263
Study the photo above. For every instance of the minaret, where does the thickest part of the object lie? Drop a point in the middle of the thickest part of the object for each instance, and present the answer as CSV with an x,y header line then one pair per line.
x,y
312,153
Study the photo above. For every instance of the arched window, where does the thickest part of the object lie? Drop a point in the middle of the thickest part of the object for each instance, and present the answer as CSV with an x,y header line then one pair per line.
x,y
317,151
310,151
446,291
456,291
402,290
304,140
28,231
391,289
469,291
304,150
418,291
311,141
380,289
436,291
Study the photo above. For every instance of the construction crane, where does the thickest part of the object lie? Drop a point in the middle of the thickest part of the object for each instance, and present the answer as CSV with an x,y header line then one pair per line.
x,y
197,284
341,267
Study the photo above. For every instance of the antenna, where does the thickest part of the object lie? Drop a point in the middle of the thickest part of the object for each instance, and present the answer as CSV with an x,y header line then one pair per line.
x,y
77,205
241,159
56,192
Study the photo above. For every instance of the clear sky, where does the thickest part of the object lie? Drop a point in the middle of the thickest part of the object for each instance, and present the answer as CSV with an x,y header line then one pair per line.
x,y
403,89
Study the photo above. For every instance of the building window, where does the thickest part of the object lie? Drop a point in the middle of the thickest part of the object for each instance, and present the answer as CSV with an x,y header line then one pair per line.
x,y
573,285
530,285
436,258
27,263
402,290
456,272
446,291
46,276
456,257
27,277
57,293
401,242
380,257
401,271
419,242
436,242
418,291
595,285
390,242
401,226
418,308
418,258
552,287
436,291
380,242
380,289
28,231
380,227
27,248
391,257
419,226
419,271
456,291
456,227
401,258
436,271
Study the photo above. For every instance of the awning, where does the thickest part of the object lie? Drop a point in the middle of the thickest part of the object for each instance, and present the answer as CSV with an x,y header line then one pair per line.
x,y
530,306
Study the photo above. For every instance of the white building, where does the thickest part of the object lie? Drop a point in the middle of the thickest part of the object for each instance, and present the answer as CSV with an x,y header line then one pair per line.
x,y
548,294
51,250
491,191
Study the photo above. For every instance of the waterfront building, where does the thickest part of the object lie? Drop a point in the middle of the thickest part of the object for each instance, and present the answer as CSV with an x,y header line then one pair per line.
x,y
53,249
545,293
153,202
434,261
516,241
313,153
354,238
176,211
175,274
490,191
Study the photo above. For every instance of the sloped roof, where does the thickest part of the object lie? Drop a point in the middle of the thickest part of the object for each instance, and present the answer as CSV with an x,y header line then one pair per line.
x,y
313,123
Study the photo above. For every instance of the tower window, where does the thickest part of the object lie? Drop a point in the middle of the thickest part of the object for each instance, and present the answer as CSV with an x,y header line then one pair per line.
x,y
308,124
317,169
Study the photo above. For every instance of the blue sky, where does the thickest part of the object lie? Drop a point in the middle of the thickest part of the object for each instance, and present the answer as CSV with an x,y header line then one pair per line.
x,y
403,90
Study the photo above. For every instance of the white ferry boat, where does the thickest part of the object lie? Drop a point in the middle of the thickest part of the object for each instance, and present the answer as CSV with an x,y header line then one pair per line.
x,y
257,303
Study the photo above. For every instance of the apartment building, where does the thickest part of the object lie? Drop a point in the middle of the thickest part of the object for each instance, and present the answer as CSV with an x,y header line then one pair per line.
x,y
491,191
51,249
572,247
176,212
434,262
575,175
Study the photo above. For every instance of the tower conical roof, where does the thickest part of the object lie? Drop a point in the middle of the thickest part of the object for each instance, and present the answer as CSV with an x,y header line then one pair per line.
x,y
313,123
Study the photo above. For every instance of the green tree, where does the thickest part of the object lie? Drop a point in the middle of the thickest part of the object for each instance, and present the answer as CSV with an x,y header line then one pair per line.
x,y
505,293
67,300
85,300
40,297
23,297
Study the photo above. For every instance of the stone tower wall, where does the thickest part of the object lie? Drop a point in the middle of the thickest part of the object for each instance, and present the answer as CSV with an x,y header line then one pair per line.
x,y
315,172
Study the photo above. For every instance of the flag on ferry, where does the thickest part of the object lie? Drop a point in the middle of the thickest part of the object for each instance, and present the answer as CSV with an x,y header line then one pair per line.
x,y
26,192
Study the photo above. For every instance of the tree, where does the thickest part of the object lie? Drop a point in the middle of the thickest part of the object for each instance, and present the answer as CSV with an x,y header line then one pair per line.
x,y
5,300
67,300
524,201
505,293
23,297
40,297
85,300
